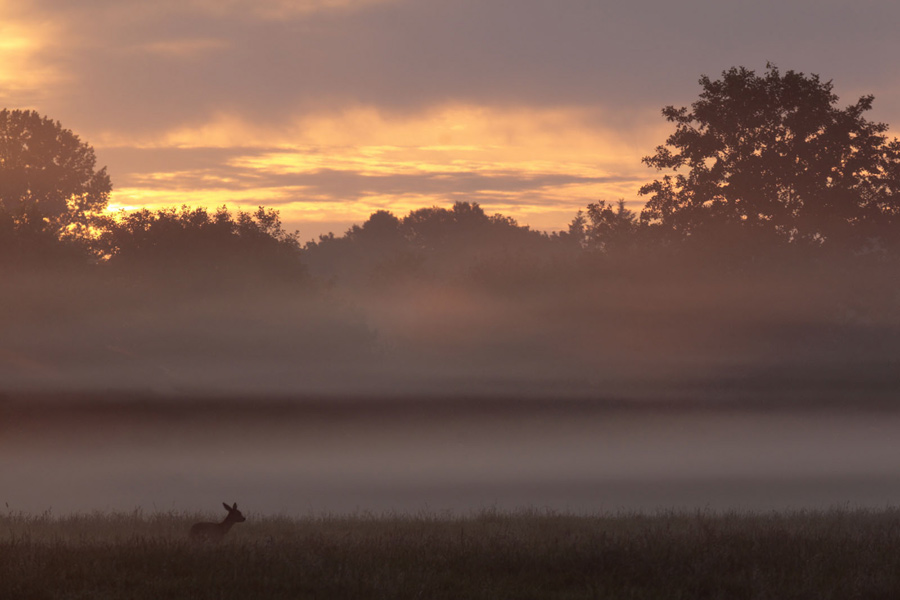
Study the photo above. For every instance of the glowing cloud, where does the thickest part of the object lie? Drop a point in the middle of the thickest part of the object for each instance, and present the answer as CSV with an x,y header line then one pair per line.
x,y
540,166
23,74
330,109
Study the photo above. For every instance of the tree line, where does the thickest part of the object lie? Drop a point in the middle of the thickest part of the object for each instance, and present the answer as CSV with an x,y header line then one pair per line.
x,y
769,244
757,163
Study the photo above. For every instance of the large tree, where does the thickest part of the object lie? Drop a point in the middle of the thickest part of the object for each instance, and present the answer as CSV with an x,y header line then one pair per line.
x,y
47,173
773,154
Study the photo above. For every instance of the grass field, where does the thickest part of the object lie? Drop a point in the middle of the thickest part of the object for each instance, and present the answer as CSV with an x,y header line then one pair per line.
x,y
841,554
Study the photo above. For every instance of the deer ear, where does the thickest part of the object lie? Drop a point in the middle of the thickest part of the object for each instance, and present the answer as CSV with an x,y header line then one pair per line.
x,y
228,508
235,506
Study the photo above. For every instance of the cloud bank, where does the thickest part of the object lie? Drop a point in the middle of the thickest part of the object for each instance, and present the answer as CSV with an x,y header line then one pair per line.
x,y
563,96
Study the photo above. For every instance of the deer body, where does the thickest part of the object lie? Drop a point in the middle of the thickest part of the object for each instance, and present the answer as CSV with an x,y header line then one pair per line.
x,y
215,531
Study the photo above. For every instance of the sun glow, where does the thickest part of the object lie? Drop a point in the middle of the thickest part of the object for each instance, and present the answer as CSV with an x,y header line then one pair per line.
x,y
539,166
22,73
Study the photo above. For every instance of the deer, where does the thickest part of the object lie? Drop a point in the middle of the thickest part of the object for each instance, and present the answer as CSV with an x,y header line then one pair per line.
x,y
215,531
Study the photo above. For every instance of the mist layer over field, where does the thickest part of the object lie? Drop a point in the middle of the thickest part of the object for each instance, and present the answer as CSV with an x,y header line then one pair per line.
x,y
501,321
346,458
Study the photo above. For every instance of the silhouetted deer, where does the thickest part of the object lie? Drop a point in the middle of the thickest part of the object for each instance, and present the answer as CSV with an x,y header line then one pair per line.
x,y
215,531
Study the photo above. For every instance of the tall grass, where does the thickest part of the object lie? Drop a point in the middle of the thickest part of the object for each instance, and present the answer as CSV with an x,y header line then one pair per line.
x,y
836,554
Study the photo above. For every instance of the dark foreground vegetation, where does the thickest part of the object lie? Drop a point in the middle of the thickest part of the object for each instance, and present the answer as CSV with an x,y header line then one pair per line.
x,y
839,554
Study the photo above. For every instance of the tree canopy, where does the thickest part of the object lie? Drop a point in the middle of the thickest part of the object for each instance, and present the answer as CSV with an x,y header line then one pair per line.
x,y
604,226
215,243
46,172
427,240
773,155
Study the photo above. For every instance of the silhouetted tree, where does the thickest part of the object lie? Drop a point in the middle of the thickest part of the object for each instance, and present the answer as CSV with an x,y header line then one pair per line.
x,y
47,174
362,253
380,233
28,241
205,244
773,156
604,226
429,242
464,228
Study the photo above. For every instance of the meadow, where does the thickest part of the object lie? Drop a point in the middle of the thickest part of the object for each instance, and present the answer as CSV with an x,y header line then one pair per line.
x,y
840,553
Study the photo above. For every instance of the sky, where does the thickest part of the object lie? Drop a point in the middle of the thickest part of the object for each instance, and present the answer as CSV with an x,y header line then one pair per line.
x,y
329,110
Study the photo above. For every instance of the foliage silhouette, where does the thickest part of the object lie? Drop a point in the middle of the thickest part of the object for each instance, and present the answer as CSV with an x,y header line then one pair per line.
x,y
459,301
29,241
428,242
771,157
605,227
48,174
211,245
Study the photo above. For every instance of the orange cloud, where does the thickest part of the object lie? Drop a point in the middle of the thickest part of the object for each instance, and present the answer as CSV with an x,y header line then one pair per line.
x,y
184,48
23,75
537,165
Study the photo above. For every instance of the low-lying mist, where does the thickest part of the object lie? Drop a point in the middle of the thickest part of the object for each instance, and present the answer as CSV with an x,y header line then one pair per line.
x,y
376,456
438,364
500,321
